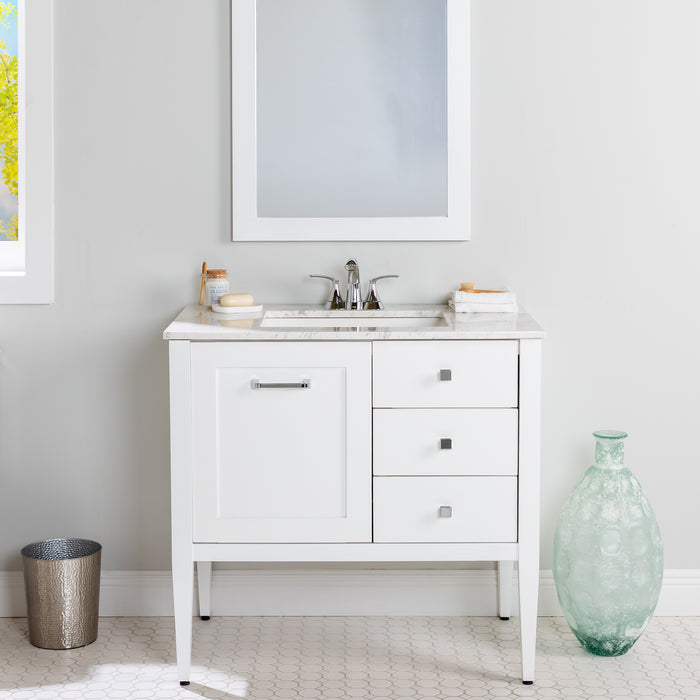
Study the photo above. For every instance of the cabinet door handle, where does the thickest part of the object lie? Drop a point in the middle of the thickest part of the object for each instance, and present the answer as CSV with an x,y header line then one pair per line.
x,y
257,384
445,375
445,443
445,512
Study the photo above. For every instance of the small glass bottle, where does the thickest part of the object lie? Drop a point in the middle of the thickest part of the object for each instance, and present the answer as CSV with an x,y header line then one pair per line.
x,y
217,285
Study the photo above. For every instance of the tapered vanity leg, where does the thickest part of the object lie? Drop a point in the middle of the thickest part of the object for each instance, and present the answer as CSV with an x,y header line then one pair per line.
x,y
204,589
528,584
505,588
181,503
183,591
529,501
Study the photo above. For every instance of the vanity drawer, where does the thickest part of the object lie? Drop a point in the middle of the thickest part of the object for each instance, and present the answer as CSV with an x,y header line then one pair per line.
x,y
445,441
445,374
481,509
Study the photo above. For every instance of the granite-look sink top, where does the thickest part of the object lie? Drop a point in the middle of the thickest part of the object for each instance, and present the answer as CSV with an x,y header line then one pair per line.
x,y
395,322
351,319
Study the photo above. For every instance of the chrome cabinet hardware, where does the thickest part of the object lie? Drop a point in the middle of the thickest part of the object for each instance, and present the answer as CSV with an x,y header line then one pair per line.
x,y
335,300
257,384
445,443
445,375
373,302
445,512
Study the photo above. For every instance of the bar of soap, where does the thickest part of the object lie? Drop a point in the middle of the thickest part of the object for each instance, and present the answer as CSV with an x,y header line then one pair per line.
x,y
236,300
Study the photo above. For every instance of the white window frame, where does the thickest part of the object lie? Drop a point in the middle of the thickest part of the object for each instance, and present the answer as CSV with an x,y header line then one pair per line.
x,y
33,285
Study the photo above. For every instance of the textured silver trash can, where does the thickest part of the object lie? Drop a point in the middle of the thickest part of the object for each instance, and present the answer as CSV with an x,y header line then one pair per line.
x,y
62,582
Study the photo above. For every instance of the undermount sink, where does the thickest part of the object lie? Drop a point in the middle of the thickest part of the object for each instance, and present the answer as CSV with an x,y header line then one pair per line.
x,y
350,319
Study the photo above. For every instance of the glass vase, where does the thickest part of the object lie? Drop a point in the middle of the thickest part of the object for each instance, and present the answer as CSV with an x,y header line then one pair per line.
x,y
608,555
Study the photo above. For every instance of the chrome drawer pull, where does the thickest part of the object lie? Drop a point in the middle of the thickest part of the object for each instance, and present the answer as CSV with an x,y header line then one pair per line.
x,y
445,443
257,384
445,512
445,375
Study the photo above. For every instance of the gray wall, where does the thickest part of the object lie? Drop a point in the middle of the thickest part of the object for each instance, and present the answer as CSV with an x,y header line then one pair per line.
x,y
585,201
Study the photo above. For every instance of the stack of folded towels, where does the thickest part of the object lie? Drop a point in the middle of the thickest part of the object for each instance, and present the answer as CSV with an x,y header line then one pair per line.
x,y
468,299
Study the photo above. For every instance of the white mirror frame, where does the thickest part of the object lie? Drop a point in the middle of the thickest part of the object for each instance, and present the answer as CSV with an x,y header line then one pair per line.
x,y
248,226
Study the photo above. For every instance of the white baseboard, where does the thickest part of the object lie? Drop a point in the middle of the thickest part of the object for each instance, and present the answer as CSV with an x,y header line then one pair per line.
x,y
338,592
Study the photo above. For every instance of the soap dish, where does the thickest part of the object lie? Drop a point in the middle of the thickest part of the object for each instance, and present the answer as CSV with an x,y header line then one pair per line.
x,y
236,309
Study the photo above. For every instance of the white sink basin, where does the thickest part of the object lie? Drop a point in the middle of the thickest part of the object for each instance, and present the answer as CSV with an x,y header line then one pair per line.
x,y
349,319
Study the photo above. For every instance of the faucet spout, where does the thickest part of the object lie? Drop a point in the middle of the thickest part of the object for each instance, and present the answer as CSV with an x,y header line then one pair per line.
x,y
353,299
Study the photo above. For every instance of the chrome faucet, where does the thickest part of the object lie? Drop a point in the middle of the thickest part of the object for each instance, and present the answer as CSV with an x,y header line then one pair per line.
x,y
373,301
335,300
353,298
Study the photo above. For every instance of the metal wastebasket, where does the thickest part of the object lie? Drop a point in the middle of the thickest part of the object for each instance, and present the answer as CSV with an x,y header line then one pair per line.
x,y
62,582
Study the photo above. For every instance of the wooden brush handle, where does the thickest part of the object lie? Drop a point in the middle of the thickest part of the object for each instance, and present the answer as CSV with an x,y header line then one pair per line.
x,y
204,281
469,287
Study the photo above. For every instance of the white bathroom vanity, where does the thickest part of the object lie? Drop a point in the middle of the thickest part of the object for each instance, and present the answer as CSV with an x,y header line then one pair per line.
x,y
304,435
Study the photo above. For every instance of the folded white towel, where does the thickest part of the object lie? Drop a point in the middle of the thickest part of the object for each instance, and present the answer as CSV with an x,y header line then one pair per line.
x,y
498,301
473,307
498,296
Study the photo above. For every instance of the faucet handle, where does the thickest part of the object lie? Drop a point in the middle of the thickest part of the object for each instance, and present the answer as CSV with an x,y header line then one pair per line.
x,y
335,301
373,301
381,277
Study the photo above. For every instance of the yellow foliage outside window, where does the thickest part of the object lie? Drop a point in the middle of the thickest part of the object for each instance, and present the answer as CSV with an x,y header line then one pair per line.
x,y
9,136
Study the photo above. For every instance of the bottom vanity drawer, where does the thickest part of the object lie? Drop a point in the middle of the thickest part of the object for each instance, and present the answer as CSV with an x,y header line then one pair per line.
x,y
446,509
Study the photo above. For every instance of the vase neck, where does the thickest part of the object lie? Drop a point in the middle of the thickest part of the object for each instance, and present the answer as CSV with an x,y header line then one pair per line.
x,y
610,449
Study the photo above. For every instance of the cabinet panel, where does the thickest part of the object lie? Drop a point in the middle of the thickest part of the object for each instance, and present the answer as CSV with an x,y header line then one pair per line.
x,y
445,441
481,509
281,442
437,374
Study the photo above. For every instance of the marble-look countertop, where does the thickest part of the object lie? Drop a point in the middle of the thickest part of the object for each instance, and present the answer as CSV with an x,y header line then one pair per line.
x,y
201,323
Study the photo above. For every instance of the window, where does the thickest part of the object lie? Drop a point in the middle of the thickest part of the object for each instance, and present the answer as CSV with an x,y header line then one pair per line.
x,y
26,151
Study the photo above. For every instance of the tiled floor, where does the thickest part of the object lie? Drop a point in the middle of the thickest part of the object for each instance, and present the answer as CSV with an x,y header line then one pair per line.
x,y
349,657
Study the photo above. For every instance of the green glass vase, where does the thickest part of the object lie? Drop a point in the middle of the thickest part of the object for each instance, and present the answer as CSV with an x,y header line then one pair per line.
x,y
608,555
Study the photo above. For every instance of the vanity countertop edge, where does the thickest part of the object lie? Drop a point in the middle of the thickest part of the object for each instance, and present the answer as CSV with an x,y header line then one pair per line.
x,y
201,323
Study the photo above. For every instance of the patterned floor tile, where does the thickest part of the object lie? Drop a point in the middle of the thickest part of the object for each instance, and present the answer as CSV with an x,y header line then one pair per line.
x,y
347,658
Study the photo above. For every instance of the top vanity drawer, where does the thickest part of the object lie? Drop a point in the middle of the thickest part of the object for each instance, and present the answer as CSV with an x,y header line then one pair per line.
x,y
446,374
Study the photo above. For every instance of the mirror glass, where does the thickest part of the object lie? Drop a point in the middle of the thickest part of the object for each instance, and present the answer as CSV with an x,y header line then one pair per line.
x,y
350,119
351,108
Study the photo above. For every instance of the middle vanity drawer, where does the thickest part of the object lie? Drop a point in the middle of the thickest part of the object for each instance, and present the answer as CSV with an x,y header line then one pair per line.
x,y
445,509
445,374
445,441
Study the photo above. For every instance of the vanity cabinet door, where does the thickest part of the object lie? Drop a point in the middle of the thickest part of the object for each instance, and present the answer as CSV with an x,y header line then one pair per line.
x,y
281,442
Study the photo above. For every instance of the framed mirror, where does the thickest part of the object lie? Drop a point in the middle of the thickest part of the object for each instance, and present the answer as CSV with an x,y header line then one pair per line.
x,y
350,120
